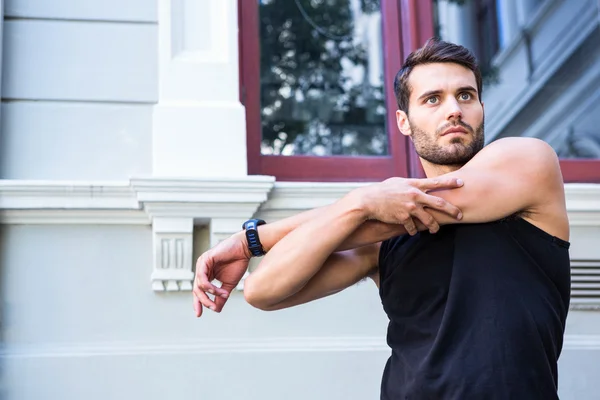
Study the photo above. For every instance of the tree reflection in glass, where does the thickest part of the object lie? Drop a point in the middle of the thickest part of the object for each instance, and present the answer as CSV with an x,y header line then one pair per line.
x,y
322,78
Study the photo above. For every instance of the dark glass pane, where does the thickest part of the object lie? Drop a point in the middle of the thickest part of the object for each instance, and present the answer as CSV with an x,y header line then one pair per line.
x,y
322,78
541,66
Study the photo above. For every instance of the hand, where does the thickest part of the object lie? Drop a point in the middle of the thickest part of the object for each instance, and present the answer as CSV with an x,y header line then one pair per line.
x,y
227,262
401,201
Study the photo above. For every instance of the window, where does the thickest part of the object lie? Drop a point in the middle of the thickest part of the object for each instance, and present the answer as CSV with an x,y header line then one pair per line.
x,y
317,83
546,81
546,84
488,29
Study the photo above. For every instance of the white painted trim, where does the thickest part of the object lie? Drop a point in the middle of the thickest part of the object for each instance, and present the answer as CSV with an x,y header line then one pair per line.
x,y
583,204
209,346
581,342
17,194
300,196
171,206
74,217
236,345
137,201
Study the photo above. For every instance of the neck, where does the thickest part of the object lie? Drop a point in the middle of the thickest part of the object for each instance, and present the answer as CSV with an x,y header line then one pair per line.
x,y
435,170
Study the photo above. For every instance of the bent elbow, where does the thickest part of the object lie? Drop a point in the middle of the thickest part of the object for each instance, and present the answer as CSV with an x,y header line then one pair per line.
x,y
255,296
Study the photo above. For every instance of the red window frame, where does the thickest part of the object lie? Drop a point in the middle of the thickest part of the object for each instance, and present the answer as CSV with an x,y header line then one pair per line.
x,y
406,26
580,170
403,30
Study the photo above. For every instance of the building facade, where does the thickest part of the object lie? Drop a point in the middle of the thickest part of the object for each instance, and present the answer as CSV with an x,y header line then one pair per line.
x,y
135,135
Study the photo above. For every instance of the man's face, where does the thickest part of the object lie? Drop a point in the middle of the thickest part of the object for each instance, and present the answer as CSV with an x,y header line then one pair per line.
x,y
445,117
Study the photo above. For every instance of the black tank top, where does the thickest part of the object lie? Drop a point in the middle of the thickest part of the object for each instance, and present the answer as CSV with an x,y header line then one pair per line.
x,y
477,311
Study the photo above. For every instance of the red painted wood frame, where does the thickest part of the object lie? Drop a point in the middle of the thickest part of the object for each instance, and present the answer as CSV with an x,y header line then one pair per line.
x,y
580,170
406,25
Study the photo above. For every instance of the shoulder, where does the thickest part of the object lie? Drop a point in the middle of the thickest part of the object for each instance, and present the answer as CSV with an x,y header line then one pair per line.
x,y
522,149
535,166
526,152
530,160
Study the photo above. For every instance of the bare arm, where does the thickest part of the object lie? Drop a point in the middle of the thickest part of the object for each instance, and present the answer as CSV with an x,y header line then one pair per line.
x,y
299,256
341,270
509,176
373,231
228,261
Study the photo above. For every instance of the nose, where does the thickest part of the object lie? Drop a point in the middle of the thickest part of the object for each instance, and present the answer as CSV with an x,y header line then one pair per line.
x,y
454,110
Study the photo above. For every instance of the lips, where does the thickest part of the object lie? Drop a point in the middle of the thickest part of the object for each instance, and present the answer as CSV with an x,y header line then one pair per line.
x,y
454,130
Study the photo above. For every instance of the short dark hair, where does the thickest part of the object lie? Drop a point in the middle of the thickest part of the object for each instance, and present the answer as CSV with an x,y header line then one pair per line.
x,y
434,51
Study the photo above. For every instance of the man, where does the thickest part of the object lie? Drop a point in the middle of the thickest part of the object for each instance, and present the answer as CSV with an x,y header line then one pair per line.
x,y
477,308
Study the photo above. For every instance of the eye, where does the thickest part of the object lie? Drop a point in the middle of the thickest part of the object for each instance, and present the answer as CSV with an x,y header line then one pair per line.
x,y
465,96
432,100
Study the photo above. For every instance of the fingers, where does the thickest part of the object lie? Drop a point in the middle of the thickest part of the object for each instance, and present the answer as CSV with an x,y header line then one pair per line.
x,y
197,306
426,220
202,281
221,300
202,286
439,204
203,299
410,226
437,183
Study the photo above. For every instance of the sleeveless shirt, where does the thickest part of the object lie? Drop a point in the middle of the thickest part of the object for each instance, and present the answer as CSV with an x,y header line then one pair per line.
x,y
476,311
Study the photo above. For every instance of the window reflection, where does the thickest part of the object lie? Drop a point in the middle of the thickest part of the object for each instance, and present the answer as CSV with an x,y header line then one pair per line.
x,y
322,78
541,66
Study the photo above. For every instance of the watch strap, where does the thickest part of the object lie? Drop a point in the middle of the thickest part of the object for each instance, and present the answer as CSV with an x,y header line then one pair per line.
x,y
254,244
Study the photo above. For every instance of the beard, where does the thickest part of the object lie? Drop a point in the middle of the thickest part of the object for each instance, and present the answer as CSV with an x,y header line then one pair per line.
x,y
457,153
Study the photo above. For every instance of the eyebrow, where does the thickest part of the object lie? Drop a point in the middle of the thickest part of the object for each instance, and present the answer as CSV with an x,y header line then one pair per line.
x,y
436,92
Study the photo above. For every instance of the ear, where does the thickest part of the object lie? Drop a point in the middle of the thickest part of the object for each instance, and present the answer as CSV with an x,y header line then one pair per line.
x,y
403,124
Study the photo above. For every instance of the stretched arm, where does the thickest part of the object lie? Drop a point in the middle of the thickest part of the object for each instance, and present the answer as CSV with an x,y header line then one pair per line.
x,y
228,261
341,270
299,256
511,176
507,177
411,196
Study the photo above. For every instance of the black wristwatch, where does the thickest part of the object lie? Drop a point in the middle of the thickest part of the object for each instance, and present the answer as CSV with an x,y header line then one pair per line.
x,y
254,244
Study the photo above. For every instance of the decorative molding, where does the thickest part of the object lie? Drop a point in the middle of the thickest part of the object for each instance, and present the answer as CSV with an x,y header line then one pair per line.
x,y
583,204
173,244
289,198
203,198
171,206
17,194
74,217
174,206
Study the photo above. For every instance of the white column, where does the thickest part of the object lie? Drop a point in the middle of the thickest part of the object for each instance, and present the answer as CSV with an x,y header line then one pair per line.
x,y
458,23
198,124
508,21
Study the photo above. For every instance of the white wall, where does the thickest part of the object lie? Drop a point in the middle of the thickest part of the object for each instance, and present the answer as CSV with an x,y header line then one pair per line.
x,y
96,91
80,321
78,85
